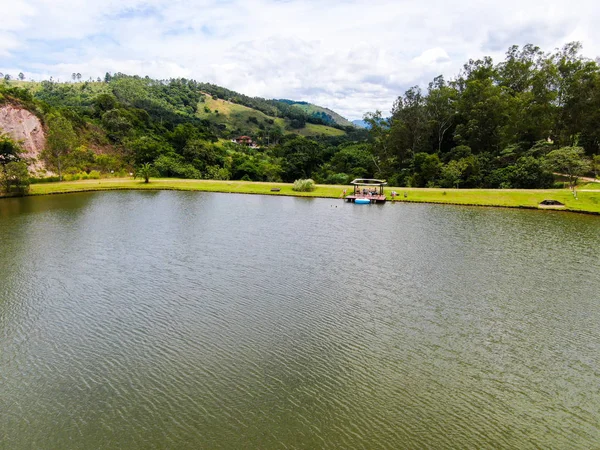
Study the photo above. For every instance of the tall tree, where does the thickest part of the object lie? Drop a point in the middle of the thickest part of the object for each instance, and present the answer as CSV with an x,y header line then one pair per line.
x,y
482,108
409,118
61,139
441,108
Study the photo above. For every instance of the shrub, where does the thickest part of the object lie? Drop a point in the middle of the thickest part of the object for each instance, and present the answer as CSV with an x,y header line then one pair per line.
x,y
72,177
94,175
217,173
51,179
307,185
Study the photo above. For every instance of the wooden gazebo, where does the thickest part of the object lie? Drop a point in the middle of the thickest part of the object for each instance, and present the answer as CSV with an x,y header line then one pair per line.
x,y
367,188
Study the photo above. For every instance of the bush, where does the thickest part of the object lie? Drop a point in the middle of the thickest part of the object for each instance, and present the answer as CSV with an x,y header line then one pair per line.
x,y
217,173
72,177
51,179
94,175
304,185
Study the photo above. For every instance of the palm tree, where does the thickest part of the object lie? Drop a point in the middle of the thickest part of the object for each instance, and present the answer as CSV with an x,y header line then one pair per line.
x,y
145,171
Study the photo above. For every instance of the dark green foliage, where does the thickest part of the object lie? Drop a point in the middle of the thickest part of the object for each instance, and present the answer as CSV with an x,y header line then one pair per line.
x,y
9,150
300,158
530,173
173,165
14,178
146,149
504,125
494,125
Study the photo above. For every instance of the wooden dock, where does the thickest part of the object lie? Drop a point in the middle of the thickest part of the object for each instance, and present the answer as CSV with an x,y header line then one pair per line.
x,y
373,198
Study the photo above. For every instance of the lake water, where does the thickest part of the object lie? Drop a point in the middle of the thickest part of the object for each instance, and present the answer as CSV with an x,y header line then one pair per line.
x,y
194,320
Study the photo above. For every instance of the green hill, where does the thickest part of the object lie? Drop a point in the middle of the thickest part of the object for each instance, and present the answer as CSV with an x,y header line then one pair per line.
x,y
240,119
326,114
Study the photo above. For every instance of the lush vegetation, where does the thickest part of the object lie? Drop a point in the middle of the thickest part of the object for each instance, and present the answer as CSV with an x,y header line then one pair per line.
x,y
505,125
496,125
14,176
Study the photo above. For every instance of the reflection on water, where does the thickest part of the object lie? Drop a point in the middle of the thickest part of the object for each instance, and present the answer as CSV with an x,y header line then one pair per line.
x,y
194,320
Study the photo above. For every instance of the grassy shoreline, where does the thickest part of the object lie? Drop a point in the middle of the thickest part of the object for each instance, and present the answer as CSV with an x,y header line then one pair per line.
x,y
588,201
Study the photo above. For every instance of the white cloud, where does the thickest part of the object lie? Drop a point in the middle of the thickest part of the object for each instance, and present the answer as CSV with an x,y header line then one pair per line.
x,y
350,55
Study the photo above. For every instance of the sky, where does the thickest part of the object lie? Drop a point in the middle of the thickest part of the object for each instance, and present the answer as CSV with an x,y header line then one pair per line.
x,y
352,56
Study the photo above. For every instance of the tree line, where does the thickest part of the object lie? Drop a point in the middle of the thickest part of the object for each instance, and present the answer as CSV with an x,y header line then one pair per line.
x,y
494,125
509,124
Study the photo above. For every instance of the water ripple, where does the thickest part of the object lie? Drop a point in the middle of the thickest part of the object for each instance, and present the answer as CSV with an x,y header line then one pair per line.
x,y
187,320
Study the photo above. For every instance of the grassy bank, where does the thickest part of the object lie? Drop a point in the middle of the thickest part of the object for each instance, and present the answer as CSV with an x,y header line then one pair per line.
x,y
587,201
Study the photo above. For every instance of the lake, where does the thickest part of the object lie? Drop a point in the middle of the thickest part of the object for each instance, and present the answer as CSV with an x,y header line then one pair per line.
x,y
194,320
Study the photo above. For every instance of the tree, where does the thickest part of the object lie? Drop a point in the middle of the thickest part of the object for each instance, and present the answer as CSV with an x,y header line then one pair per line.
x,y
426,169
61,139
452,173
530,173
145,171
103,103
482,109
596,165
21,76
301,157
117,123
146,149
409,118
15,178
569,161
78,76
73,76
440,108
7,77
9,149
379,131
9,155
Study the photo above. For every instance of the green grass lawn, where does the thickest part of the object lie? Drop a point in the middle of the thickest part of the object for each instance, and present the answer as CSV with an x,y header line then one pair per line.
x,y
587,201
593,186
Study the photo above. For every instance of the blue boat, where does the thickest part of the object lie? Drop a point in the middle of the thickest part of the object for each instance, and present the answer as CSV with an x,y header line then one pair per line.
x,y
362,201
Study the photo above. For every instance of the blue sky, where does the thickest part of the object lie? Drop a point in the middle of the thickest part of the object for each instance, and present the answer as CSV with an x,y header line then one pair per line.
x,y
353,56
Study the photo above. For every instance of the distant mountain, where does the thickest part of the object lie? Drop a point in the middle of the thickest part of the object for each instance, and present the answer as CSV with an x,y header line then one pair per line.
x,y
361,124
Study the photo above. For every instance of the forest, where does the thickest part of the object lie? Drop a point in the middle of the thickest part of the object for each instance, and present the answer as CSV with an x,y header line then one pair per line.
x,y
510,124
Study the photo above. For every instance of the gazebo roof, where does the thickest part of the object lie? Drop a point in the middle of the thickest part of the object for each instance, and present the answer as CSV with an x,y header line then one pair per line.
x,y
368,182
